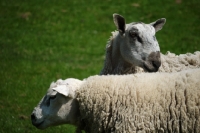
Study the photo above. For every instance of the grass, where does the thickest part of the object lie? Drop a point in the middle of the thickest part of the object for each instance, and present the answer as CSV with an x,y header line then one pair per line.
x,y
42,41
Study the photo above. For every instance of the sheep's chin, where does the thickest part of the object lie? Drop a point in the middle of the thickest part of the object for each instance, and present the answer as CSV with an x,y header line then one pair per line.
x,y
41,125
148,67
45,124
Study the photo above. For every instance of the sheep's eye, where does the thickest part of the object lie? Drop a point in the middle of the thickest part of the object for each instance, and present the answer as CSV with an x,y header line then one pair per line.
x,y
133,33
52,97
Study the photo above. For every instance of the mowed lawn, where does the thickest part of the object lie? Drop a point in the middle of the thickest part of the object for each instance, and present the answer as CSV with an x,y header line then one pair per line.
x,y
45,40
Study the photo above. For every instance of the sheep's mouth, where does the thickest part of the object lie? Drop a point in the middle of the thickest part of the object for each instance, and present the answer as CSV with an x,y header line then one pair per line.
x,y
38,125
148,68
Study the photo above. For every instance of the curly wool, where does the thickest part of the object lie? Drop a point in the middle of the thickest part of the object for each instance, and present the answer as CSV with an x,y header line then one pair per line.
x,y
145,102
175,63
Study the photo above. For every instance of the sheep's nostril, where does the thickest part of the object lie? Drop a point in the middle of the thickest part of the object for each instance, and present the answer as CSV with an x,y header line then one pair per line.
x,y
156,64
33,118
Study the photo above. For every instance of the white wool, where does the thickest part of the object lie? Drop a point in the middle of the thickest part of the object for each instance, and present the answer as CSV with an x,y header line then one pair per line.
x,y
145,102
174,63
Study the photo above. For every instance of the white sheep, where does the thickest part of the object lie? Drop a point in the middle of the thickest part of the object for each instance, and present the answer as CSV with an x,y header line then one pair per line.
x,y
134,44
143,102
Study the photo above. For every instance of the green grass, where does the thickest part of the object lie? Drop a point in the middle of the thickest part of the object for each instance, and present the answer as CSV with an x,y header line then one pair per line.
x,y
42,41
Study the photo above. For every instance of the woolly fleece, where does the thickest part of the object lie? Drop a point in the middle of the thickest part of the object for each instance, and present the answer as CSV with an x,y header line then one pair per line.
x,y
145,102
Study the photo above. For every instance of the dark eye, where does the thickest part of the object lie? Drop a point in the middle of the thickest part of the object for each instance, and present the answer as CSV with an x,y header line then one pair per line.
x,y
52,97
133,33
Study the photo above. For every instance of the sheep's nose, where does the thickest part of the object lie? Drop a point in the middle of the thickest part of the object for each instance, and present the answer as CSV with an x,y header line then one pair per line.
x,y
156,61
33,118
153,62
154,57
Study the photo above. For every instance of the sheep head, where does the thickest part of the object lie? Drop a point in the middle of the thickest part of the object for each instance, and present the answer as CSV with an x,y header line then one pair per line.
x,y
58,106
137,44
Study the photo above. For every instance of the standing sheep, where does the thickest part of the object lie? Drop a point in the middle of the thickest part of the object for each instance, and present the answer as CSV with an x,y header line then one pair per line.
x,y
134,44
144,102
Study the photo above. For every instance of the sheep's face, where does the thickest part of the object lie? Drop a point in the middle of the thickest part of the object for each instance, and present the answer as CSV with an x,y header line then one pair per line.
x,y
138,44
58,106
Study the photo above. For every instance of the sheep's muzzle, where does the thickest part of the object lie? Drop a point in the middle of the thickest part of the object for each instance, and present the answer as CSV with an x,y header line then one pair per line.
x,y
153,62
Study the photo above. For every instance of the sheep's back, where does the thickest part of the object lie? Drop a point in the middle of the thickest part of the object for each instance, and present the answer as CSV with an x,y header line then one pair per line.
x,y
175,63
160,102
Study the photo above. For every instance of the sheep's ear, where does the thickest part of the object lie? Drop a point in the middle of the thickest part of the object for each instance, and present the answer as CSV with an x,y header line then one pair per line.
x,y
158,24
62,89
120,23
68,87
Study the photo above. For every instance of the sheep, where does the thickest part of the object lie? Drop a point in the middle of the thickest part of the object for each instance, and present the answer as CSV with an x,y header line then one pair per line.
x,y
143,102
134,44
